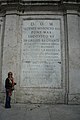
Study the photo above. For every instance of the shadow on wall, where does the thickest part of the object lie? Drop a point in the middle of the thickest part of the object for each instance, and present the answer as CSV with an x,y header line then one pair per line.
x,y
2,94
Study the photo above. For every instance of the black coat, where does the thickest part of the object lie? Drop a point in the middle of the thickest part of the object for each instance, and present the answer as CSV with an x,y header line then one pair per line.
x,y
8,84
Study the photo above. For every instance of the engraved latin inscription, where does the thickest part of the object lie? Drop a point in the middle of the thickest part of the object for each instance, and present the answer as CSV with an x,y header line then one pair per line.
x,y
41,53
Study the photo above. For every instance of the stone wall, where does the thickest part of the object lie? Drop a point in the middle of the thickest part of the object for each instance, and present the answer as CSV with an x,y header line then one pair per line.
x,y
45,93
73,20
64,88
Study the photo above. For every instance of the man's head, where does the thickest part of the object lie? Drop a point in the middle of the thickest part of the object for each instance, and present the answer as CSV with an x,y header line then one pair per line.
x,y
10,74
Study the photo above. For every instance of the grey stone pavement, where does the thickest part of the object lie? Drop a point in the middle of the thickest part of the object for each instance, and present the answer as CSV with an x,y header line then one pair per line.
x,y
40,112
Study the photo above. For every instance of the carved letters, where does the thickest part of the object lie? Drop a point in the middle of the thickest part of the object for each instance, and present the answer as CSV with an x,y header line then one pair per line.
x,y
41,53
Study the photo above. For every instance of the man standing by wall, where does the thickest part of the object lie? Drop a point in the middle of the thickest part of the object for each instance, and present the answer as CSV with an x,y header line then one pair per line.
x,y
9,85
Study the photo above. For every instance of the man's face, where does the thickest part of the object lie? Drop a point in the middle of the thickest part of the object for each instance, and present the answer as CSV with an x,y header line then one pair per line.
x,y
10,74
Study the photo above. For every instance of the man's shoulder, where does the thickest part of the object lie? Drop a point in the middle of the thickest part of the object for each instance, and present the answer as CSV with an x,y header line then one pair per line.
x,y
7,79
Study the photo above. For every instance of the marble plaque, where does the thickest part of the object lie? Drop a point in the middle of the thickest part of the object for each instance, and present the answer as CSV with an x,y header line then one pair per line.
x,y
41,53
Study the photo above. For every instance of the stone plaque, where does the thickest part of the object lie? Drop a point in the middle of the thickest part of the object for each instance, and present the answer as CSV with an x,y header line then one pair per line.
x,y
41,53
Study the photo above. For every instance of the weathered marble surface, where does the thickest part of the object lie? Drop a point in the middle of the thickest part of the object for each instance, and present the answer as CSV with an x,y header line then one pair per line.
x,y
41,53
13,59
74,56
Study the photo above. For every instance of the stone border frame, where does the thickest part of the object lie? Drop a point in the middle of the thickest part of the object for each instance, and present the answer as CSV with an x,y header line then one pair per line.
x,y
26,16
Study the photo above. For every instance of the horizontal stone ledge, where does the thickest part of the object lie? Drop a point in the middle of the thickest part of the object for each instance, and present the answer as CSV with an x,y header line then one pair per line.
x,y
51,5
2,2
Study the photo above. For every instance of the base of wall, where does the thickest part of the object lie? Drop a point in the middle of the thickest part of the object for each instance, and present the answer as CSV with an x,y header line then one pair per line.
x,y
74,98
2,96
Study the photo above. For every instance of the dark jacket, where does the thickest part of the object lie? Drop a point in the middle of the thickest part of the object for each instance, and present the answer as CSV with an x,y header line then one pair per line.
x,y
8,85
